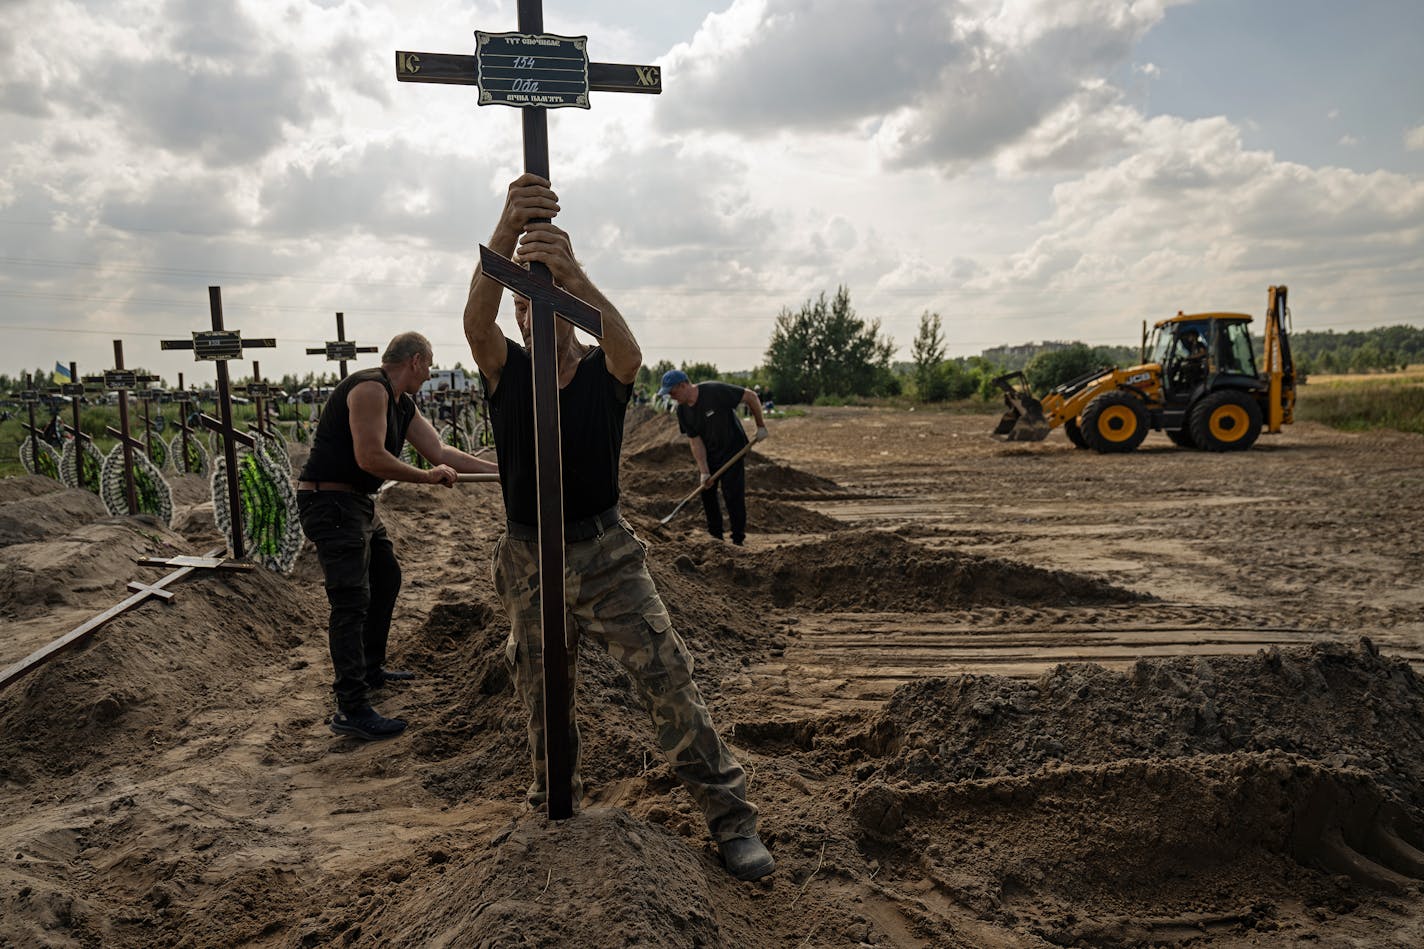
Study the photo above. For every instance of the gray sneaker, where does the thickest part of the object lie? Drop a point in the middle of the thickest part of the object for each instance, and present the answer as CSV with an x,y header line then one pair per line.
x,y
746,858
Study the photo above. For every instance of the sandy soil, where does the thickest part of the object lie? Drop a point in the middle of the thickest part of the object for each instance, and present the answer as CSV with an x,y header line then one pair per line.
x,y
990,695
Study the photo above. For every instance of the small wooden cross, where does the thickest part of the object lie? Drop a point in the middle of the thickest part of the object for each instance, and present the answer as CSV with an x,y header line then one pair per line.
x,y
533,72
121,380
220,346
258,391
29,397
341,350
180,396
74,391
146,397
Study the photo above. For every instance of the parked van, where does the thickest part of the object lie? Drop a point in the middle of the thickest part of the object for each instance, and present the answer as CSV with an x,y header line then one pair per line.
x,y
440,379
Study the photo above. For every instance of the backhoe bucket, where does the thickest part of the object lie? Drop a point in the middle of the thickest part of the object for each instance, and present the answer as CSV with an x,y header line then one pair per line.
x,y
1024,421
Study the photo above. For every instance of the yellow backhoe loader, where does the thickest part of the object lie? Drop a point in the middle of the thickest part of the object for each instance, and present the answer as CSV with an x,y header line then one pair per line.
x,y
1198,382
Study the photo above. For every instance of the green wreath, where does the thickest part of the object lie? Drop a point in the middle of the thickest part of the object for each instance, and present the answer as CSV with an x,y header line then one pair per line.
x,y
275,446
39,458
197,455
270,527
301,432
461,434
152,492
412,457
158,451
81,467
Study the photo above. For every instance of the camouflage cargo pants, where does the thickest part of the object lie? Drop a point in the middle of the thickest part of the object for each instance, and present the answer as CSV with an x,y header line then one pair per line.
x,y
610,596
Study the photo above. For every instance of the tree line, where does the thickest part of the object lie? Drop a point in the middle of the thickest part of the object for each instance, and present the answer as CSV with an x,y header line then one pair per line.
x,y
824,352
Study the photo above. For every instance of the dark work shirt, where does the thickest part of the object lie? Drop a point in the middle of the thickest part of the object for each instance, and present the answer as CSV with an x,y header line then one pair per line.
x,y
713,418
592,409
333,454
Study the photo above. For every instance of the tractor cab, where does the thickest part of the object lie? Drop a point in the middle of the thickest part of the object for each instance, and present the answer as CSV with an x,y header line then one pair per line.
x,y
1200,352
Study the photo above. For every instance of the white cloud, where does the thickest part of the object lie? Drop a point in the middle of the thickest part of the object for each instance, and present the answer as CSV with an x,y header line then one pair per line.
x,y
935,83
970,157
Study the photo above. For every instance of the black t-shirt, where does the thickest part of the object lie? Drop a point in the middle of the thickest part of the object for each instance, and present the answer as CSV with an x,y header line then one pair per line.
x,y
713,418
333,454
592,409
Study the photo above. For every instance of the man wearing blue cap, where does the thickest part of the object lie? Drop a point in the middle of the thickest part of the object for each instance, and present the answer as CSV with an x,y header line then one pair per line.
x,y
707,415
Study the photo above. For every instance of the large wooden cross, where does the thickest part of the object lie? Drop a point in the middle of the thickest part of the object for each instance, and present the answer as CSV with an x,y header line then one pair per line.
x,y
121,380
340,350
219,346
534,71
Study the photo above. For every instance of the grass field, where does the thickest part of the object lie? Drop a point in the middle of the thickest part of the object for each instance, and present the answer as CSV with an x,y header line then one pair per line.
x,y
95,420
1361,402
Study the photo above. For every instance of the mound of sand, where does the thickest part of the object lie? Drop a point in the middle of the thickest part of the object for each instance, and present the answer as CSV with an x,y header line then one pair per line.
x,y
173,782
873,570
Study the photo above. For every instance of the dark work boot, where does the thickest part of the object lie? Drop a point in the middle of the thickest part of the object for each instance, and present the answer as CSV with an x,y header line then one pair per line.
x,y
746,858
366,724
381,677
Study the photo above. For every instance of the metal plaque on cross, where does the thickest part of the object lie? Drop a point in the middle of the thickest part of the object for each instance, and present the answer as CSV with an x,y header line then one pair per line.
x,y
341,350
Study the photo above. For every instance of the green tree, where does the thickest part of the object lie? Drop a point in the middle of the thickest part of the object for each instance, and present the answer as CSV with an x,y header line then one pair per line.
x,y
928,352
699,371
1057,366
824,349
652,375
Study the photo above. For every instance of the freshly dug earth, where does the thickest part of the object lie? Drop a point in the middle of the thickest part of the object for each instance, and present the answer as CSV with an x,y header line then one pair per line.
x,y
1212,732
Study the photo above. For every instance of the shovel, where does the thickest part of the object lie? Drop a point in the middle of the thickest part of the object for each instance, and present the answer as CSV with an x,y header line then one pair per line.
x,y
707,485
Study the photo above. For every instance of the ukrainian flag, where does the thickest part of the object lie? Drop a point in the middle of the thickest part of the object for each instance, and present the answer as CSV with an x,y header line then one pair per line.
x,y
60,375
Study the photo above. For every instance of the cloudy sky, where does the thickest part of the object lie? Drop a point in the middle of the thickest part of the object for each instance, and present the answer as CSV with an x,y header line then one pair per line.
x,y
1028,169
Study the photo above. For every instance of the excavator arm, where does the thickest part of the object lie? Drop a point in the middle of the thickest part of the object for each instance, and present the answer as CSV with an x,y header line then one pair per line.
x,y
1280,366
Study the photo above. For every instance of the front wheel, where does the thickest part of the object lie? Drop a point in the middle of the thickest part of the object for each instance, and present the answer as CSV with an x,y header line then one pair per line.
x,y
1115,422
1226,421
1075,433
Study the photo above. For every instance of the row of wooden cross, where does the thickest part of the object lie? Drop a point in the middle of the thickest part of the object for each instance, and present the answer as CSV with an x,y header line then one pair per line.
x,y
218,345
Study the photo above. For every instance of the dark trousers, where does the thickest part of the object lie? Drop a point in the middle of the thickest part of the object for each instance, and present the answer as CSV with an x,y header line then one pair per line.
x,y
362,581
734,491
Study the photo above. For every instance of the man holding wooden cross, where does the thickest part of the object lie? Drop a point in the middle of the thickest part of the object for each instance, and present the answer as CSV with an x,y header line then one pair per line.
x,y
609,593
357,446
707,415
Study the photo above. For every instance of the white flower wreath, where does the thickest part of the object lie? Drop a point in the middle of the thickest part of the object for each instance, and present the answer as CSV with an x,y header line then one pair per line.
x,y
39,458
90,458
272,533
154,496
198,463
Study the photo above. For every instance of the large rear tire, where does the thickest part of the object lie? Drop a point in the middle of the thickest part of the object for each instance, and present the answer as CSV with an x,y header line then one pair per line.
x,y
1075,433
1226,421
1115,422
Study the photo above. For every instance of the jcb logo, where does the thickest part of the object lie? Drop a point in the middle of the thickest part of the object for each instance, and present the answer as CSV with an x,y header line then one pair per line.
x,y
647,75
1140,377
408,62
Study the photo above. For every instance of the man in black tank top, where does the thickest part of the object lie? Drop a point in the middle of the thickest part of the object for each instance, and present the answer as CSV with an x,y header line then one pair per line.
x,y
707,415
356,448
610,594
